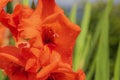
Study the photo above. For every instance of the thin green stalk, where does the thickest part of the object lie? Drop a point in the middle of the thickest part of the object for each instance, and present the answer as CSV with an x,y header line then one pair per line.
x,y
73,13
91,71
102,61
85,52
81,40
117,65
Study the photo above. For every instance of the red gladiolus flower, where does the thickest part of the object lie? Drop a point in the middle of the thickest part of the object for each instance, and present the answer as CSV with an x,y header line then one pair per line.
x,y
50,27
51,38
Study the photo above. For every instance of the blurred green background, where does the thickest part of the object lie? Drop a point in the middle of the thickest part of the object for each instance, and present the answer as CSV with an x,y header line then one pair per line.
x,y
97,49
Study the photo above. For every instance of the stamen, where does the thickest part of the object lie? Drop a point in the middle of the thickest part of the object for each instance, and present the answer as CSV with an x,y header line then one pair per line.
x,y
48,36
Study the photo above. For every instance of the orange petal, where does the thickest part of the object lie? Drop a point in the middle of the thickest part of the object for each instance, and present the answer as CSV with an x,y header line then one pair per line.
x,y
47,7
45,56
65,66
22,11
46,70
11,53
10,50
8,55
35,52
30,63
55,57
11,58
29,29
36,42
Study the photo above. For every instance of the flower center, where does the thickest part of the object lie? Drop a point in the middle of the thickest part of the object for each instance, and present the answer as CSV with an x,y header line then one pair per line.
x,y
48,36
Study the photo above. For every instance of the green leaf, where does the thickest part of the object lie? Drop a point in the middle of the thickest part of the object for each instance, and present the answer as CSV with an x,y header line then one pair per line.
x,y
102,61
73,13
85,52
81,40
9,7
2,76
90,73
117,65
